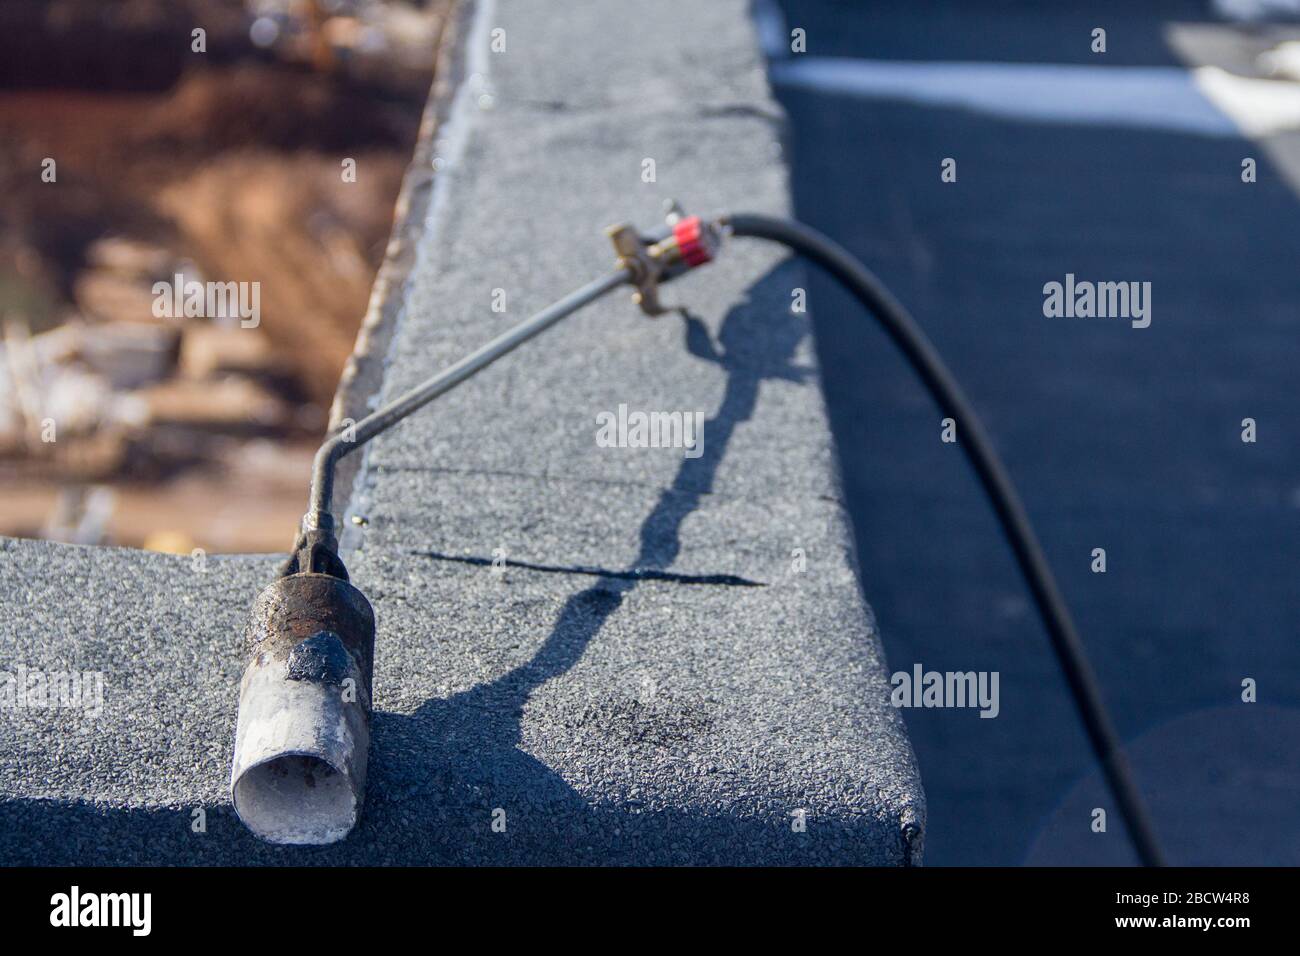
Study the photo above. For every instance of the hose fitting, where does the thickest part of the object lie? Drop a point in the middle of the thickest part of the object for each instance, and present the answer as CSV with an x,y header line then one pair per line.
x,y
693,242
688,242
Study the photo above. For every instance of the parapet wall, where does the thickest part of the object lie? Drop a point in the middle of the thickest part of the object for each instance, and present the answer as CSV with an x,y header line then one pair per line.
x,y
588,651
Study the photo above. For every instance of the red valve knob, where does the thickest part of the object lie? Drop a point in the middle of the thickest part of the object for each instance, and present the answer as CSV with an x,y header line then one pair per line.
x,y
694,241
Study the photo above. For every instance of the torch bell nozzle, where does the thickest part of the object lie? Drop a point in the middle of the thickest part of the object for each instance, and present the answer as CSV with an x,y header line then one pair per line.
x,y
303,736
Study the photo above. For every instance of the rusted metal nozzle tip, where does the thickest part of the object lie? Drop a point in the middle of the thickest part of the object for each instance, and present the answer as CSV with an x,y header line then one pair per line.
x,y
303,736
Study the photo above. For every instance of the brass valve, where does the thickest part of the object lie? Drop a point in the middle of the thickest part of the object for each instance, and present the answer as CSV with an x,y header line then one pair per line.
x,y
690,242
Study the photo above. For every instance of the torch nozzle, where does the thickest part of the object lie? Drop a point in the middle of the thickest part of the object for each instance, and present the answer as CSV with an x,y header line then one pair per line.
x,y
303,736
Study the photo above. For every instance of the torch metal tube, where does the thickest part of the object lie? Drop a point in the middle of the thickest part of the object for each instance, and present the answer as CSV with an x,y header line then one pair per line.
x,y
342,443
303,734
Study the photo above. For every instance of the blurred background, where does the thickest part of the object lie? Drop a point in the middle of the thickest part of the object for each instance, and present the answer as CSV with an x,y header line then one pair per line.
x,y
221,164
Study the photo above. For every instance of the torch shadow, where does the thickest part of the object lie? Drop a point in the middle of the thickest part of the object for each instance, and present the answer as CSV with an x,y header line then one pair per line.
x,y
455,760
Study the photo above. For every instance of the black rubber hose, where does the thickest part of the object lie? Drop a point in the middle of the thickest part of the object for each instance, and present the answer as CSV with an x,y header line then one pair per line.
x,y
907,335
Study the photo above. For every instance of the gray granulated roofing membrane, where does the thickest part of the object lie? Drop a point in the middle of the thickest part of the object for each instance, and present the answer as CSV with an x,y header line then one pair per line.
x,y
644,676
